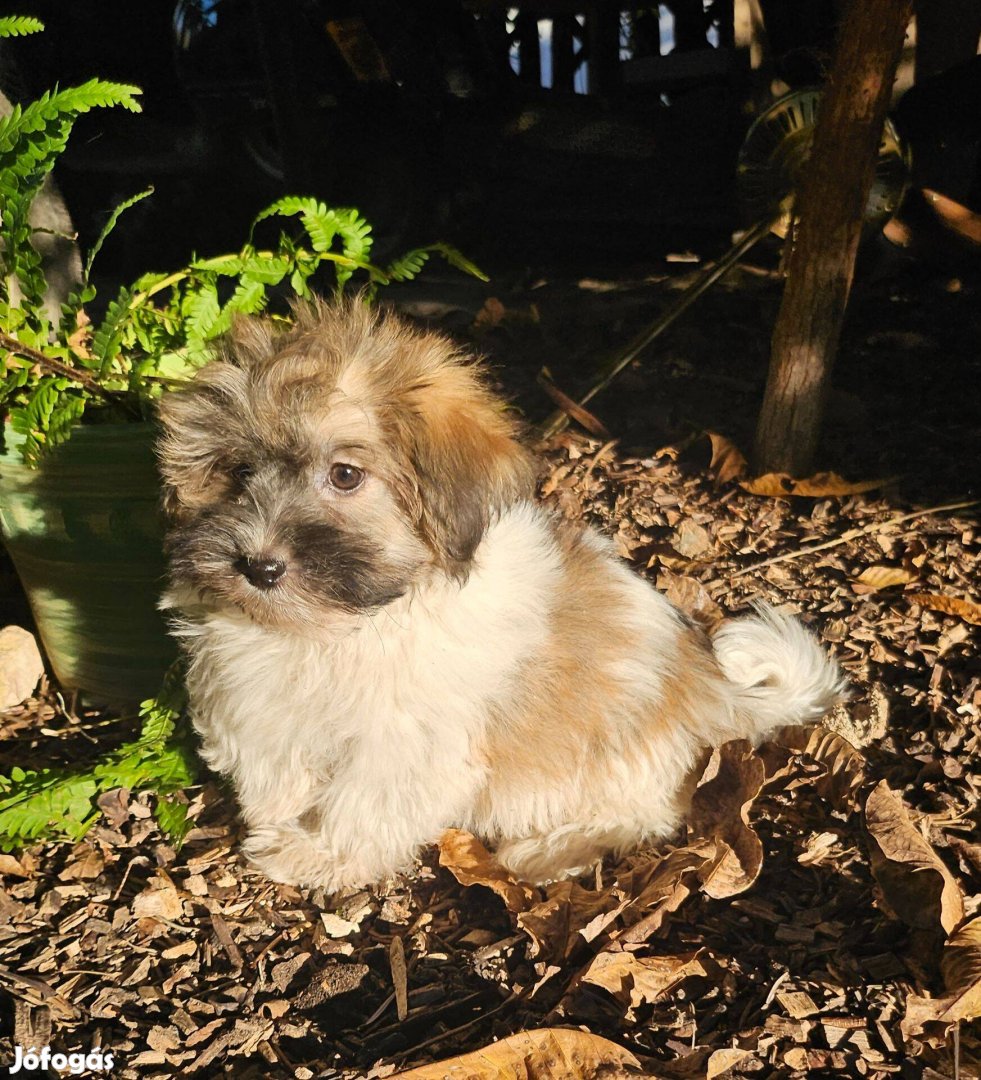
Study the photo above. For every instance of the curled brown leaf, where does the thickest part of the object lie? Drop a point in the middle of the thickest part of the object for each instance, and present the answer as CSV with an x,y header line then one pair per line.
x,y
634,980
471,863
820,485
961,967
967,610
720,813
727,461
915,883
842,766
874,578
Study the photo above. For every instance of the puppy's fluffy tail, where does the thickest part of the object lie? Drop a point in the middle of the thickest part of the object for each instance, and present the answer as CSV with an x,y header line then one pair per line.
x,y
779,672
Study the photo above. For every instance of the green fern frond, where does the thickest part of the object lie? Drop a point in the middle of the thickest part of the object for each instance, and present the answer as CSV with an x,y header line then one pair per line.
x,y
107,340
458,260
407,266
19,26
58,804
109,226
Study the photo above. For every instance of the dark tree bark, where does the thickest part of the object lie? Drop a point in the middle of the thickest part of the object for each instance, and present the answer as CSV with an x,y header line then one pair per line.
x,y
830,205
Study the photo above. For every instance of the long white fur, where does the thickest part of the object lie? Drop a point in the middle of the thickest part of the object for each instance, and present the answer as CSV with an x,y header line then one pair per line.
x,y
348,755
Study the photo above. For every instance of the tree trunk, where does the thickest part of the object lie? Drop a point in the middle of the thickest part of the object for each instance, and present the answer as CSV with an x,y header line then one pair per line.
x,y
830,206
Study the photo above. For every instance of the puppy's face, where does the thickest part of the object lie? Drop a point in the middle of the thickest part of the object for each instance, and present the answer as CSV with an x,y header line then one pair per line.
x,y
333,468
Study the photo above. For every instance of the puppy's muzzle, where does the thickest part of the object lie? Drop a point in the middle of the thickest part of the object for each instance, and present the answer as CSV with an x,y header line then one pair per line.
x,y
262,572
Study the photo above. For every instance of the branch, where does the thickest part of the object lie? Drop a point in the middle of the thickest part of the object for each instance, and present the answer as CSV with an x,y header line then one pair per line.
x,y
853,534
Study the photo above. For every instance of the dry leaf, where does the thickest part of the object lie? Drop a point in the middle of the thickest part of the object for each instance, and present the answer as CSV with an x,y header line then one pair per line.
x,y
635,980
723,1062
471,863
961,966
727,462
817,486
691,540
657,889
12,867
914,882
874,578
164,903
949,605
491,314
720,812
555,924
546,1054
573,409
692,597
843,766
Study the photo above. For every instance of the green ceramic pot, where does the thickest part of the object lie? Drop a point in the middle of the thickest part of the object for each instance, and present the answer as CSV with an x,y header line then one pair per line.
x,y
85,534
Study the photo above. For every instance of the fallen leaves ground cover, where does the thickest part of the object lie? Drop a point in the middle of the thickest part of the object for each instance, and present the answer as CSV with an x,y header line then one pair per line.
x,y
820,916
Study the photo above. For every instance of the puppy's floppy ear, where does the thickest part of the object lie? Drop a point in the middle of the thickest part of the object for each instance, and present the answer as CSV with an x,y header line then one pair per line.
x,y
193,418
466,463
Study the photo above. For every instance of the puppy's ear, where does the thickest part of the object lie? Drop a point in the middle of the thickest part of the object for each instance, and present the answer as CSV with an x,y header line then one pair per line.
x,y
197,419
467,465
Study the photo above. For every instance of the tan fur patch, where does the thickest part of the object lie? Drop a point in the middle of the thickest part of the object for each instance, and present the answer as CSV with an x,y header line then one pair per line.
x,y
561,726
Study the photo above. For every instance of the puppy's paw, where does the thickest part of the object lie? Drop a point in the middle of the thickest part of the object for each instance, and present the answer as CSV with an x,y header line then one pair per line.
x,y
293,856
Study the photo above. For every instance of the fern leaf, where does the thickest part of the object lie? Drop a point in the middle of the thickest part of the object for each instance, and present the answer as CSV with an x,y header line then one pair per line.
x,y
201,310
19,26
171,816
107,339
458,260
32,137
406,266
109,226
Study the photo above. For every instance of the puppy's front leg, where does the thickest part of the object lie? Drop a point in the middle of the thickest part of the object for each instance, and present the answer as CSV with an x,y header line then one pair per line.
x,y
367,823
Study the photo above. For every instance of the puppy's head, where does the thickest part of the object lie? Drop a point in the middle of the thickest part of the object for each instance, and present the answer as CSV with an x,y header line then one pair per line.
x,y
331,468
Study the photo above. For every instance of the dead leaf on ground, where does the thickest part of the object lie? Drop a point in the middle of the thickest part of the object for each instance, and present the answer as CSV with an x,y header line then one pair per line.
x,y
731,1062
961,967
861,722
657,889
638,980
727,461
915,884
573,409
13,867
820,485
720,812
843,767
692,597
874,578
967,610
691,540
555,924
162,903
471,863
546,1054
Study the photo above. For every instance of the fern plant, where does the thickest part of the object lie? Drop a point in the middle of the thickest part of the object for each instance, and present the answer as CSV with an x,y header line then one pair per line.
x,y
46,804
157,331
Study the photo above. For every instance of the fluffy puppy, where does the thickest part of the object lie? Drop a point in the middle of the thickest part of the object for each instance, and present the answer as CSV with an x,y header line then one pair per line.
x,y
387,636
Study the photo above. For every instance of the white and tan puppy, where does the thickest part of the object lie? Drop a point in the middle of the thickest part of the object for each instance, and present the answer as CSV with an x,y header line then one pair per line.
x,y
387,636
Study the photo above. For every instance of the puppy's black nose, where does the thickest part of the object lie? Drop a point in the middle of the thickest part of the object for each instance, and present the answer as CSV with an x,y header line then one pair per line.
x,y
263,573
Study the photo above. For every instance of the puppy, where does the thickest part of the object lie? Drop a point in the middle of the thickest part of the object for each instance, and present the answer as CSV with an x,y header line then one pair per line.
x,y
387,636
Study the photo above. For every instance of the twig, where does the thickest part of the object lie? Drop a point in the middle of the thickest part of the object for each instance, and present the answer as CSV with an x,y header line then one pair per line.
x,y
56,366
853,534
443,1035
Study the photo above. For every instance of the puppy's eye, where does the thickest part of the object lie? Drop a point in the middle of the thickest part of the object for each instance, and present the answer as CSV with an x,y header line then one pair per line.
x,y
241,473
345,477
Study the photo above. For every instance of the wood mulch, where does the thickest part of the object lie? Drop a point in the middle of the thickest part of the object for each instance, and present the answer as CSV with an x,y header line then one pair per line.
x,y
798,928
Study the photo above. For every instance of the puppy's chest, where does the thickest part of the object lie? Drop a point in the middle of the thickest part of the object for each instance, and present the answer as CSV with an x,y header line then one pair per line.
x,y
382,685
